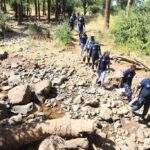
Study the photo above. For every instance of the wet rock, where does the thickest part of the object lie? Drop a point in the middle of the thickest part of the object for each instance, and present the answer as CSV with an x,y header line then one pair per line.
x,y
24,109
20,95
3,112
42,90
105,113
3,55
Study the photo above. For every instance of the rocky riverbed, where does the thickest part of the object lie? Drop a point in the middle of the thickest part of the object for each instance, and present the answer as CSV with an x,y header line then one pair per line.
x,y
36,86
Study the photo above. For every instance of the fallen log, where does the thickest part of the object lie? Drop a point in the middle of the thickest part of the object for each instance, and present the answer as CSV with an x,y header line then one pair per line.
x,y
13,137
137,62
56,142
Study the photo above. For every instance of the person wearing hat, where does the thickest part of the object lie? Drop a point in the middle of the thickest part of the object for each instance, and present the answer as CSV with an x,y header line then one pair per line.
x,y
103,66
143,97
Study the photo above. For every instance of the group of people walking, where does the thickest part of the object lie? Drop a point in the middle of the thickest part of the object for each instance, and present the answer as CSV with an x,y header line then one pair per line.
x,y
92,56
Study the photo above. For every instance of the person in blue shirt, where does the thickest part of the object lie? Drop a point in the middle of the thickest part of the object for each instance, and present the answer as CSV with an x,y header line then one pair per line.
x,y
90,42
126,81
71,22
81,25
95,52
103,66
83,40
143,97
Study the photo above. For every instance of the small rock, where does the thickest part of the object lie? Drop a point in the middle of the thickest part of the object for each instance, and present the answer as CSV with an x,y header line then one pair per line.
x,y
75,107
92,103
78,100
15,119
105,113
24,109
3,55
59,81
14,80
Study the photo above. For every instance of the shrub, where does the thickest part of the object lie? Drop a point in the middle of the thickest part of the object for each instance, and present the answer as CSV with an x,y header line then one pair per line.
x,y
94,8
4,18
37,30
63,34
133,31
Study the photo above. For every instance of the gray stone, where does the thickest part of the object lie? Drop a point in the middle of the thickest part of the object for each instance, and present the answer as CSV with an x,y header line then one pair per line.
x,y
20,95
14,80
59,81
24,109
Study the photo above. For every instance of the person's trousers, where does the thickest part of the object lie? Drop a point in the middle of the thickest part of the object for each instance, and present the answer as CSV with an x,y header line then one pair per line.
x,y
94,62
141,102
101,76
82,49
128,91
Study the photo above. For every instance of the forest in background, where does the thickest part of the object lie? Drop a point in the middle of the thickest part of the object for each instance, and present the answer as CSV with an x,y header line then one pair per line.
x,y
124,21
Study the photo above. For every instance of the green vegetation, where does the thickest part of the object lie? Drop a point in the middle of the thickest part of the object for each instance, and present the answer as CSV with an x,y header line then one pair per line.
x,y
133,31
4,18
37,30
63,34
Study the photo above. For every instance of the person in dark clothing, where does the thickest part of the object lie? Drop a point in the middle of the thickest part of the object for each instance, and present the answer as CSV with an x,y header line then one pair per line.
x,y
71,22
95,53
90,42
83,40
103,66
143,97
81,25
126,81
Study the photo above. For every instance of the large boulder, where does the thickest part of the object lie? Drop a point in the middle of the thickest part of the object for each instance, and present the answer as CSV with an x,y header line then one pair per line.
x,y
3,112
20,95
3,55
42,90
24,109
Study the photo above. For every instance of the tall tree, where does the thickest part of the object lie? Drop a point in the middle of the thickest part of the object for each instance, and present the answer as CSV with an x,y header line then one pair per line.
x,y
56,10
130,2
49,10
39,14
107,14
20,12
84,3
36,9
44,8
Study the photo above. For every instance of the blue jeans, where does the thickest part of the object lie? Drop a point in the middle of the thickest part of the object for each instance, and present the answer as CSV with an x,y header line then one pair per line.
x,y
141,102
82,49
101,76
128,91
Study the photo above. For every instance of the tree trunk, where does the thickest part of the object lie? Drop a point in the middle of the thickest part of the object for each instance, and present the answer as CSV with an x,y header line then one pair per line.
x,y
20,12
56,11
130,2
107,14
36,10
49,11
39,15
44,10
63,8
5,9
13,137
